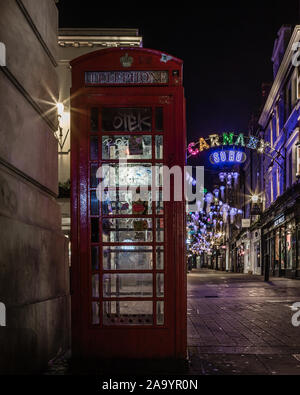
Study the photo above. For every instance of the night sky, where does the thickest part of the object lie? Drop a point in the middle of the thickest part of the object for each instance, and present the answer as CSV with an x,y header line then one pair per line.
x,y
226,48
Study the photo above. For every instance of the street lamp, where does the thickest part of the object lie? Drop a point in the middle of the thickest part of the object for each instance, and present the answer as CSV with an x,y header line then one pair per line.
x,y
60,115
255,199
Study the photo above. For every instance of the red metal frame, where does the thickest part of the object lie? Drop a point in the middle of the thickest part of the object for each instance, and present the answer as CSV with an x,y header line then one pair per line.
x,y
153,341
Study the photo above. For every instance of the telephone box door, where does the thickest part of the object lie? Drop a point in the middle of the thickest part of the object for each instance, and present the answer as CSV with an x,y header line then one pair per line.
x,y
128,266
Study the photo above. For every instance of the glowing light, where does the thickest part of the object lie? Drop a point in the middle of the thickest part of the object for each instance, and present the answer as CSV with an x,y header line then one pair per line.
x,y
228,138
60,109
203,144
192,151
253,142
223,156
214,140
232,156
263,146
240,140
216,157
239,156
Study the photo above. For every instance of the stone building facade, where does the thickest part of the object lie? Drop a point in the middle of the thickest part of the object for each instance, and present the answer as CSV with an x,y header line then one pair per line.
x,y
34,271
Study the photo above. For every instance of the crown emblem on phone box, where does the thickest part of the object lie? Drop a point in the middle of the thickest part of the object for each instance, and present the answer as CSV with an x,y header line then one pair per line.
x,y
126,61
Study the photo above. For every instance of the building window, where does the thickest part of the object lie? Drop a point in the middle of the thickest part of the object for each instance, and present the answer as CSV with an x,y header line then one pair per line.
x,y
274,127
278,181
272,141
290,167
281,113
288,100
274,184
277,121
294,88
271,188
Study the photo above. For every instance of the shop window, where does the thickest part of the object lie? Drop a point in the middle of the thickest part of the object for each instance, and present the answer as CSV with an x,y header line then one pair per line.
x,y
291,246
258,254
277,249
289,249
282,249
298,265
272,252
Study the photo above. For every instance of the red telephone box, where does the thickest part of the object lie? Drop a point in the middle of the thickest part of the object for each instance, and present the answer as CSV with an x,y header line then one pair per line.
x,y
128,251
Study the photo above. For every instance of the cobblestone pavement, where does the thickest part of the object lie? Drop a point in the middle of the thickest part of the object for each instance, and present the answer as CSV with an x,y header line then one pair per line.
x,y
237,325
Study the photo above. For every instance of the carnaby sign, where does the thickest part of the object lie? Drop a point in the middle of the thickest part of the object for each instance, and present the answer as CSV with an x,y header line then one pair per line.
x,y
228,139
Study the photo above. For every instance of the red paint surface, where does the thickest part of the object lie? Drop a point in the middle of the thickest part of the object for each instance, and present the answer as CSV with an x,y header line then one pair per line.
x,y
152,341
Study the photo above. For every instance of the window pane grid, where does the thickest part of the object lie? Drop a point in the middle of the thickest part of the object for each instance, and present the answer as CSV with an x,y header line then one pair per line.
x,y
121,310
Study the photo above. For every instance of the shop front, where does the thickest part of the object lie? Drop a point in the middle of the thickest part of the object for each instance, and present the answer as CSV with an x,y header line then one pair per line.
x,y
233,258
255,252
208,261
222,259
243,254
281,246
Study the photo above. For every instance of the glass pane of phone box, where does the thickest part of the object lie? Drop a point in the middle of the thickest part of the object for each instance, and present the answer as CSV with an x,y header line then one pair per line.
x,y
133,285
128,258
129,147
128,313
126,202
127,230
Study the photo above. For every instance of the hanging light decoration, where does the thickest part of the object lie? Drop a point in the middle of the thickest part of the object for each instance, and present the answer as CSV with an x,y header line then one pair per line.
x,y
209,198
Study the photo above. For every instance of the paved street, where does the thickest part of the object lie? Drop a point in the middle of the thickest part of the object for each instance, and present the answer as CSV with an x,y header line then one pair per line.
x,y
237,324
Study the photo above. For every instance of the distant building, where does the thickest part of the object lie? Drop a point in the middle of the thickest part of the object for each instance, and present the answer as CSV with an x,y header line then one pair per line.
x,y
273,179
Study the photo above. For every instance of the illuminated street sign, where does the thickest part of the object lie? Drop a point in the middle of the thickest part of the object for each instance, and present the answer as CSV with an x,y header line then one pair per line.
x,y
228,140
228,156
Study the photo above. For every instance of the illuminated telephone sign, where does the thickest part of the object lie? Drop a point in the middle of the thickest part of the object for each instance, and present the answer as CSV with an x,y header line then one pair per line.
x,y
229,157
